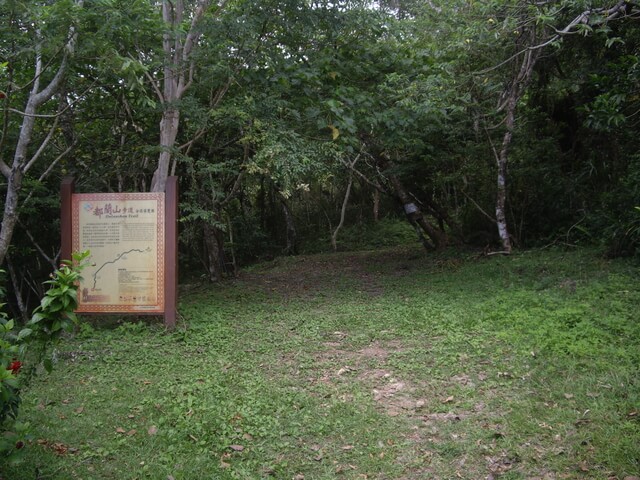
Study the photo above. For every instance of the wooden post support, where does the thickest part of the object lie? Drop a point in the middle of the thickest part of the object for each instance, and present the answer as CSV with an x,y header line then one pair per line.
x,y
67,188
171,253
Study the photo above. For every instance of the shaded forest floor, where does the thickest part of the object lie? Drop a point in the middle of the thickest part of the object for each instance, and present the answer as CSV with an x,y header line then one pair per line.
x,y
393,364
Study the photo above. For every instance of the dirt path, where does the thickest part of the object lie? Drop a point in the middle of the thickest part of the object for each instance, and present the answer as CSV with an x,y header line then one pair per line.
x,y
305,276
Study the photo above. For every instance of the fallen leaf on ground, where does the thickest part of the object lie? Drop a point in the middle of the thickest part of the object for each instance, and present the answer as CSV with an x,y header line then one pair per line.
x,y
132,432
236,448
120,430
448,400
79,410
60,448
57,447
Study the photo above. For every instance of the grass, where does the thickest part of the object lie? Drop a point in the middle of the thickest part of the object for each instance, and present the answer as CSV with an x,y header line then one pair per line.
x,y
382,365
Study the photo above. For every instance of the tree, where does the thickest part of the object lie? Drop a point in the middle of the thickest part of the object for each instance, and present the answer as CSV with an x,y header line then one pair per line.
x,y
534,27
50,55
178,71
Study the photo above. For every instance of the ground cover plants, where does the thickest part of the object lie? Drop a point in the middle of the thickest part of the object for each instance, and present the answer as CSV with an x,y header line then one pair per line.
x,y
395,364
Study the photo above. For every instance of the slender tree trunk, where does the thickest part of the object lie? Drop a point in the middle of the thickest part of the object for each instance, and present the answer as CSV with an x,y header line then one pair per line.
x,y
17,290
512,95
501,194
343,211
376,205
509,103
292,246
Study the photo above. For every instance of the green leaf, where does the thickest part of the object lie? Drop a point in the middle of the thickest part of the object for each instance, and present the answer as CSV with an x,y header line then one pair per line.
x,y
48,365
45,303
24,333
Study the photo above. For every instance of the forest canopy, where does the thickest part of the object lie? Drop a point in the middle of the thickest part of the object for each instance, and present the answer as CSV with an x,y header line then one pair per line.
x,y
499,123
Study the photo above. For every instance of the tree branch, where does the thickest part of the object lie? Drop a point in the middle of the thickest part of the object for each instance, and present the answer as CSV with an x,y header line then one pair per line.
x,y
618,11
43,145
50,260
46,173
362,176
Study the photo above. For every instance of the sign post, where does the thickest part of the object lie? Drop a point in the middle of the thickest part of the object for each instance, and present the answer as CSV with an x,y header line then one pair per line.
x,y
171,253
132,240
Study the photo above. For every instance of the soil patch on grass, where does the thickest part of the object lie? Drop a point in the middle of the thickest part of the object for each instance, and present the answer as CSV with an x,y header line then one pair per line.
x,y
306,276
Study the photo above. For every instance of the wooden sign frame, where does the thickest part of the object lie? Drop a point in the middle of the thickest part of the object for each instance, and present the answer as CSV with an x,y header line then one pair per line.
x,y
106,222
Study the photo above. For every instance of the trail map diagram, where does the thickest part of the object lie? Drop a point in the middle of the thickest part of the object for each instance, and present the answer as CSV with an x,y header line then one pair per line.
x,y
122,256
124,234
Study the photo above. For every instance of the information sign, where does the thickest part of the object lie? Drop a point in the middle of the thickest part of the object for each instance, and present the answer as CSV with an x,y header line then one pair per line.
x,y
124,233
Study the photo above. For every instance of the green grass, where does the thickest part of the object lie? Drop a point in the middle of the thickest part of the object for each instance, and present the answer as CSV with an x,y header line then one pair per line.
x,y
389,365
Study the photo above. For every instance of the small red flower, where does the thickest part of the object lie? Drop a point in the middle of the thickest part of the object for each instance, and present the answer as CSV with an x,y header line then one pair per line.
x,y
15,367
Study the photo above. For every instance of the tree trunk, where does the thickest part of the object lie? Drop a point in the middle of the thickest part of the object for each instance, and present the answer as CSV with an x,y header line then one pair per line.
x,y
511,97
10,213
413,212
178,73
501,194
292,247
376,205
214,252
343,211
168,133
22,308
443,218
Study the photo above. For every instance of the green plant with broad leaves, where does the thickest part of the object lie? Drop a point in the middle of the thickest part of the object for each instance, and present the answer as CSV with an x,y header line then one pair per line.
x,y
23,351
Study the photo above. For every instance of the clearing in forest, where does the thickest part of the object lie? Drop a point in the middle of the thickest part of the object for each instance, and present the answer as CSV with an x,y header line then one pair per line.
x,y
394,364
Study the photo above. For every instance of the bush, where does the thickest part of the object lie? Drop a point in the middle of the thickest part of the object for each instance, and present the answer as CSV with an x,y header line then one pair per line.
x,y
23,352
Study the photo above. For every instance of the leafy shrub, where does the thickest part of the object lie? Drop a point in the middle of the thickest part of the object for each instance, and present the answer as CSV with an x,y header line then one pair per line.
x,y
22,352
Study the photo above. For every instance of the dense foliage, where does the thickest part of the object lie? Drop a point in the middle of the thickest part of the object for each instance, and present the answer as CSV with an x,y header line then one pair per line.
x,y
287,120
